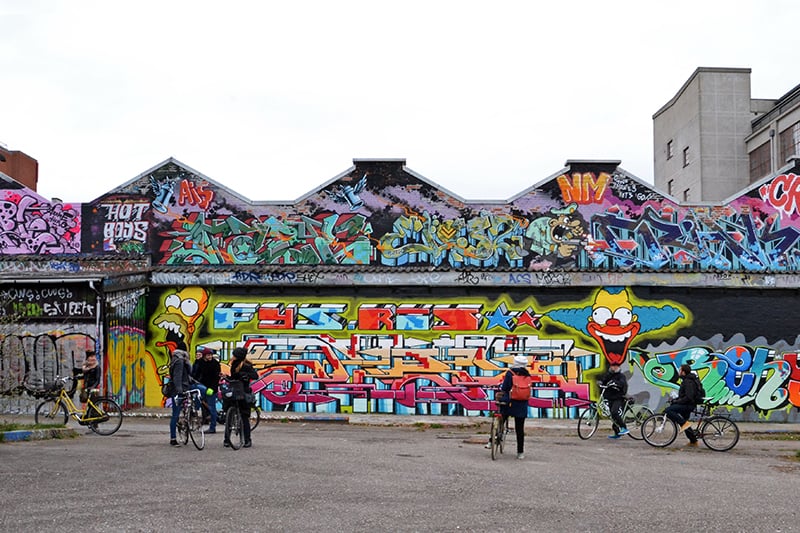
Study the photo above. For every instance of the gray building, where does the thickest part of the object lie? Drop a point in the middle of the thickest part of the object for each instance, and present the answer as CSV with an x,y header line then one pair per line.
x,y
711,140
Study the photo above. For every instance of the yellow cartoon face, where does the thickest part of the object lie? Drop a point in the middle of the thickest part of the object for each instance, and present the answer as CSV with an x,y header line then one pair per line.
x,y
613,324
180,318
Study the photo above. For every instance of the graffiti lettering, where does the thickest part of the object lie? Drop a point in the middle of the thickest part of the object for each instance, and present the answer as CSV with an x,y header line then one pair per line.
x,y
584,189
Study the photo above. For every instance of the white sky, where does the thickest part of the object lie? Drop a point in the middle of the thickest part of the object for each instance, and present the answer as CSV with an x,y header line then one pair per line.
x,y
274,98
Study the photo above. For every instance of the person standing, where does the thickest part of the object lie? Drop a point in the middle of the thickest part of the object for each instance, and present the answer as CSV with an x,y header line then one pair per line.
x,y
518,408
180,374
681,408
616,389
206,370
242,370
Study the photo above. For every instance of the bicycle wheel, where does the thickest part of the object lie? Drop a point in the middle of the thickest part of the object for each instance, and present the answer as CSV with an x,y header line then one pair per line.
x,y
659,431
255,417
183,426
720,433
196,428
51,412
233,427
109,416
634,416
496,437
587,422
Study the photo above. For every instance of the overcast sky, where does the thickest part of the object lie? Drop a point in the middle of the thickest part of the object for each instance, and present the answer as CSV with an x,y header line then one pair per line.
x,y
274,98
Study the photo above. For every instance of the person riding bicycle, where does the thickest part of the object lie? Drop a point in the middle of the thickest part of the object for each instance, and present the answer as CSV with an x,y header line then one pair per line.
x,y
681,407
180,374
242,370
617,388
206,370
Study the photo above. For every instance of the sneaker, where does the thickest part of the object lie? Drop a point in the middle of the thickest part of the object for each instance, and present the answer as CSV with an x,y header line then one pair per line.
x,y
227,444
686,425
247,444
623,431
614,436
692,444
520,456
210,431
174,442
488,445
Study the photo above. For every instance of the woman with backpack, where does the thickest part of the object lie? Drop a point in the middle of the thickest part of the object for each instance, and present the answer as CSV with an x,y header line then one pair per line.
x,y
517,384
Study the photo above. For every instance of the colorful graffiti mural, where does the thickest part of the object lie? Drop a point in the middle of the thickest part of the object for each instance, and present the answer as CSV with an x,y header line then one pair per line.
x,y
441,357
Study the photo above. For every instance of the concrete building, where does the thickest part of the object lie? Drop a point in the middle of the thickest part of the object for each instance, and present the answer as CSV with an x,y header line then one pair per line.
x,y
711,140
20,166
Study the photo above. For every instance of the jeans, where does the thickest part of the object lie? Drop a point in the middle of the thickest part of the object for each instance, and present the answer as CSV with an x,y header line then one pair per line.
x,y
177,405
679,413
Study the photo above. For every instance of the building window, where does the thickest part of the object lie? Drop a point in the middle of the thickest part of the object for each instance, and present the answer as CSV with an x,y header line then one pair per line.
x,y
670,183
670,150
686,195
759,162
790,142
686,157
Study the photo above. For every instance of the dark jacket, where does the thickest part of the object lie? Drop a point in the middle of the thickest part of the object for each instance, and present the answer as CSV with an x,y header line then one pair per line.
x,y
690,385
91,378
207,373
243,371
517,408
180,371
617,385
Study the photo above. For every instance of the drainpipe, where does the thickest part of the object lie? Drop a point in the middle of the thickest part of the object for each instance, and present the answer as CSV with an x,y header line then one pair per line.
x,y
99,344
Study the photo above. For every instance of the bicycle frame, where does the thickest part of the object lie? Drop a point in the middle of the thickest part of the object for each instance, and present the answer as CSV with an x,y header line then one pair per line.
x,y
72,410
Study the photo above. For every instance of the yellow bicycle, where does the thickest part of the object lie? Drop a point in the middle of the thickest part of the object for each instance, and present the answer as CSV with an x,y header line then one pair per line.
x,y
102,414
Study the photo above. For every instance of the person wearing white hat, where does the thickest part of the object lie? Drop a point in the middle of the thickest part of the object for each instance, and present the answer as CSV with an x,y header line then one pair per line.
x,y
517,384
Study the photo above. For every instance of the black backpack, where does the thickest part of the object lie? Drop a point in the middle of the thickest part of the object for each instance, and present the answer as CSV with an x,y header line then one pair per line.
x,y
701,392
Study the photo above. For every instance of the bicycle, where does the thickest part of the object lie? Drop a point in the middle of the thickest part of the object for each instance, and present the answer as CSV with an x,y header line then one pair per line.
x,y
190,419
633,415
102,414
224,394
718,432
499,428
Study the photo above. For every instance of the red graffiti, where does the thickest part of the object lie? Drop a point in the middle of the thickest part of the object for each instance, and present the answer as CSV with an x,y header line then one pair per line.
x,y
782,193
195,194
794,378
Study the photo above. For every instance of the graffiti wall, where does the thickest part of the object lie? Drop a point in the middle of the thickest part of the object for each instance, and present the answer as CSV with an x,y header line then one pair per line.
x,y
382,214
445,355
542,273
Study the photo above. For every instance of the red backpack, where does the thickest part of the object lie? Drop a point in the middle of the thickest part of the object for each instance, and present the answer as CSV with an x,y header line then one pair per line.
x,y
520,387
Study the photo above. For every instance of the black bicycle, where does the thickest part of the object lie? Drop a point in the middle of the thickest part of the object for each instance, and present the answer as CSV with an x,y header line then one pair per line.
x,y
633,415
190,419
718,432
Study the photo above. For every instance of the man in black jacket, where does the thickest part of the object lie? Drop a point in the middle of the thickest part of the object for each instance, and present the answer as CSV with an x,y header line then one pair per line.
x,y
681,408
616,388
207,370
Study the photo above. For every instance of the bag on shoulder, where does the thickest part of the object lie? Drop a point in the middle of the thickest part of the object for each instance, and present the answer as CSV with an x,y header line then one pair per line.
x,y
520,387
168,388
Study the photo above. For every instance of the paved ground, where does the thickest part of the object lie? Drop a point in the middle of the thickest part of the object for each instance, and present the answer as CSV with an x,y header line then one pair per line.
x,y
321,476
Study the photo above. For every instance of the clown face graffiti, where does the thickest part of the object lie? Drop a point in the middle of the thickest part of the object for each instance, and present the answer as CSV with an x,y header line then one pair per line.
x,y
613,324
